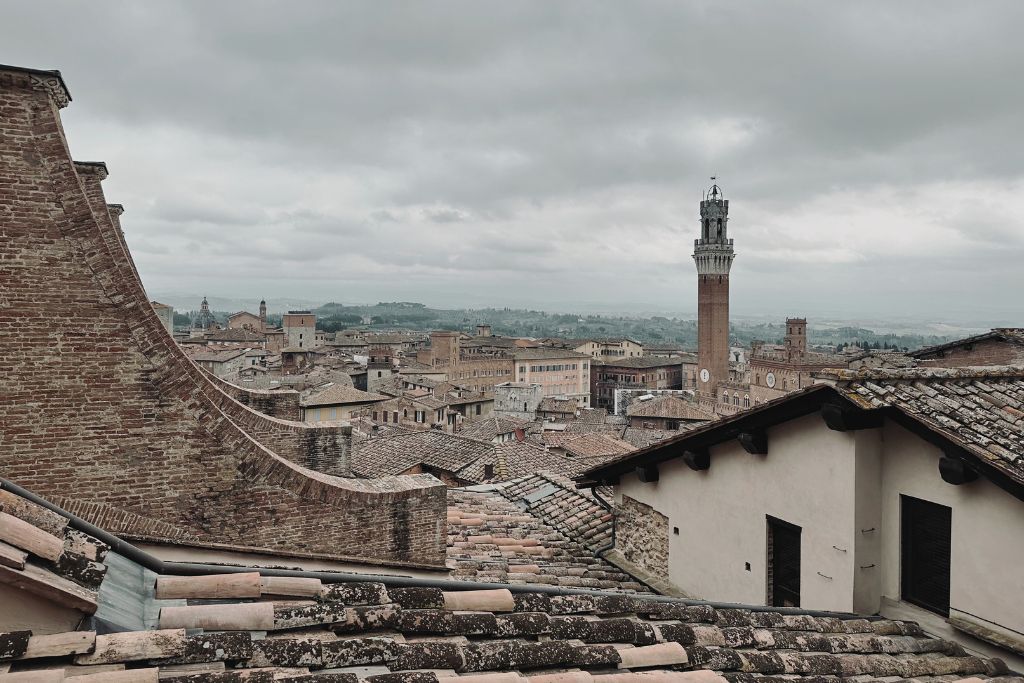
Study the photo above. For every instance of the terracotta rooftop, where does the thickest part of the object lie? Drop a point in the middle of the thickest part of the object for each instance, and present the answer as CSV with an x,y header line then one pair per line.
x,y
394,454
550,404
339,394
1011,335
979,411
204,355
513,459
576,513
982,409
236,334
668,406
589,445
638,437
148,624
489,429
492,539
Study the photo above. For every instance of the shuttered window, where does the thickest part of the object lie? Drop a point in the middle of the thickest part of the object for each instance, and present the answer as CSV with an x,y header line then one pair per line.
x,y
783,563
925,549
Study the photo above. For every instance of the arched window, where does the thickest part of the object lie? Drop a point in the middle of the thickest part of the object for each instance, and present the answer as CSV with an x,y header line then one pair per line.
x,y
746,400
725,397
735,399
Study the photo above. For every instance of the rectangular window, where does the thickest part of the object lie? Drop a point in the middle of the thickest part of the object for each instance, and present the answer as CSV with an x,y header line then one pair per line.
x,y
925,541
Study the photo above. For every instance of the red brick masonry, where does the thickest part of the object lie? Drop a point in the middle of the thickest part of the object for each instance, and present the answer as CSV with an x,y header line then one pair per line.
x,y
98,404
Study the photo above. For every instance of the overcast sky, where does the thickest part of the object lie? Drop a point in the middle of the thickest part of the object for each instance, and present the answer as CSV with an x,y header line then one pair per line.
x,y
553,154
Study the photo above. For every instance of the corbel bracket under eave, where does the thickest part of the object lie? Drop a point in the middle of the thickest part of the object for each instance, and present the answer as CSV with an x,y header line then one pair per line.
x,y
844,417
754,441
697,460
648,474
955,470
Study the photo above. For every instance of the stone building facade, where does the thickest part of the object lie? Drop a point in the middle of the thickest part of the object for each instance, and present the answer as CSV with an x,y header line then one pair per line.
x,y
775,371
641,536
647,372
166,315
244,320
479,369
561,373
518,400
299,329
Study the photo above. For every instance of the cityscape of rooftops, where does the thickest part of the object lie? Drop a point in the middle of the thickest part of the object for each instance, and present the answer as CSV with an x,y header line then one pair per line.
x,y
576,342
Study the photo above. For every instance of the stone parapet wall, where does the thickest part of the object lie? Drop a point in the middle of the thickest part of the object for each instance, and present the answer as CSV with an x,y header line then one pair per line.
x,y
101,406
641,536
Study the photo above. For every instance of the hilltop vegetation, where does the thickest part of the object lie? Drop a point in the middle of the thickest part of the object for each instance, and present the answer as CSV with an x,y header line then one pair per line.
x,y
529,323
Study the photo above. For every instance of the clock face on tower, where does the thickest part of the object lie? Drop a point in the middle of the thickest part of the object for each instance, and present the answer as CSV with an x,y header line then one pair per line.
x,y
770,380
704,375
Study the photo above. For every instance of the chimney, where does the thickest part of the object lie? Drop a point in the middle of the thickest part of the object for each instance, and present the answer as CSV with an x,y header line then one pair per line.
x,y
483,330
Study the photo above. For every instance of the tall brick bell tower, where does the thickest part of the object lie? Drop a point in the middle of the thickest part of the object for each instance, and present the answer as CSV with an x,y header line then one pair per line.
x,y
713,255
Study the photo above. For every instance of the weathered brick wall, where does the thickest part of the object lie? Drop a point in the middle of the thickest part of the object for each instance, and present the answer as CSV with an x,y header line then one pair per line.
x,y
283,403
986,352
99,405
641,535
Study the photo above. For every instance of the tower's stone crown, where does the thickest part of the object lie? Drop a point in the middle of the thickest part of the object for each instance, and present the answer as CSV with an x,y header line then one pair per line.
x,y
713,252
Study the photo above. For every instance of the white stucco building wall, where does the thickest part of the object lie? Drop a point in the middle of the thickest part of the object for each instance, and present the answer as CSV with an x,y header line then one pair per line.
x,y
721,513
843,489
986,583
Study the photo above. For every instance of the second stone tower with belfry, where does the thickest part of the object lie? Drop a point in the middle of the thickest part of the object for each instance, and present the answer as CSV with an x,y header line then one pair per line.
x,y
713,254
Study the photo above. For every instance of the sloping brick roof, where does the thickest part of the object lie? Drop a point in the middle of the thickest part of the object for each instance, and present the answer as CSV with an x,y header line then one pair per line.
x,y
236,334
550,404
513,459
589,445
491,427
1010,335
668,406
339,395
491,539
556,500
639,437
394,454
982,409
217,356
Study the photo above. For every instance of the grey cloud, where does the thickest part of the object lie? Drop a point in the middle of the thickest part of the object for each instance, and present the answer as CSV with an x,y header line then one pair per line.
x,y
402,144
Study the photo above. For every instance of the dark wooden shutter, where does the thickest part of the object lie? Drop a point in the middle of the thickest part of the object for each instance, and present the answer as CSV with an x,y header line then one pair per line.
x,y
783,563
926,541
